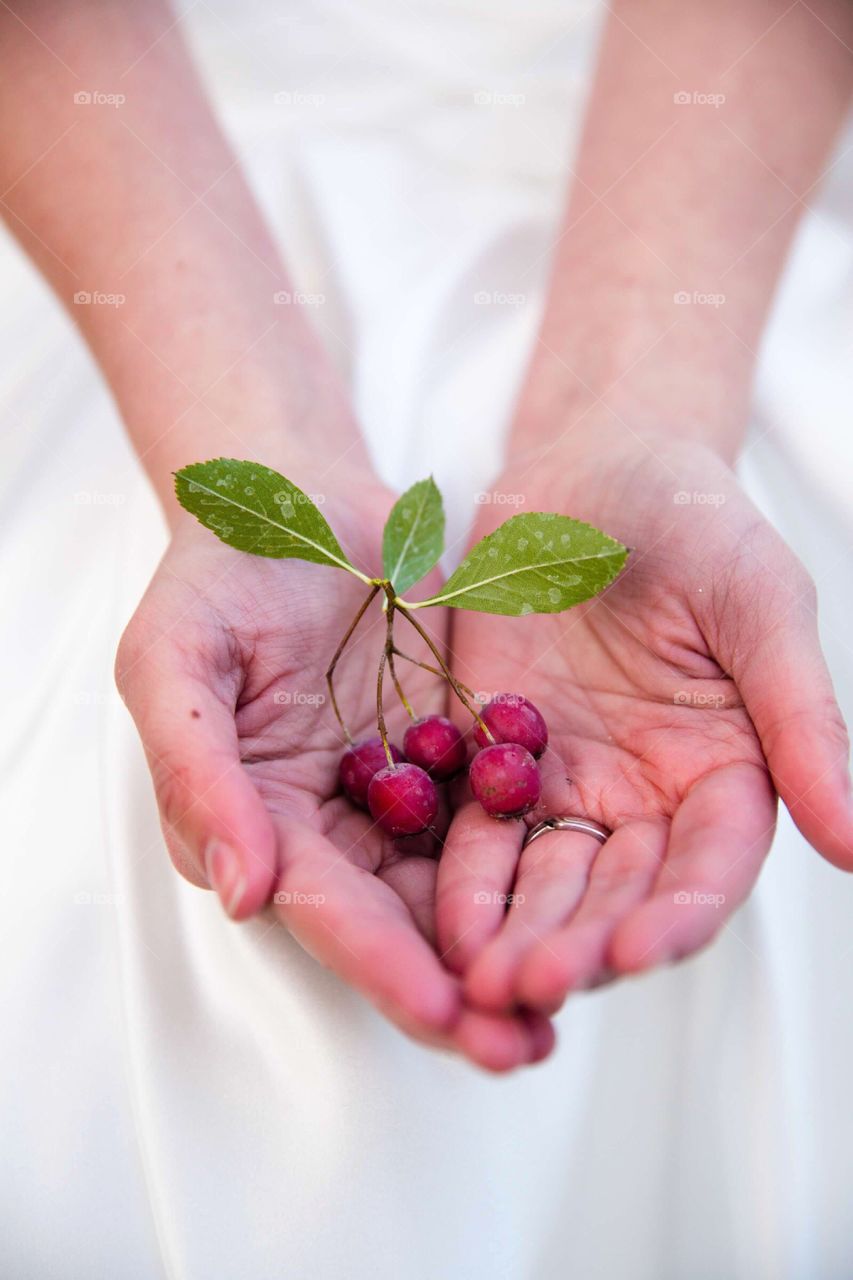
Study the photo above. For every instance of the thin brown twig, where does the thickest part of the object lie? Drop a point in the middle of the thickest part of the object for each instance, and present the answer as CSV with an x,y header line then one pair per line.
x,y
330,673
446,672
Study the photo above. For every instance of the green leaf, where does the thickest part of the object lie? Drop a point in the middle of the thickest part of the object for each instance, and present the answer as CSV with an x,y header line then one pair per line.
x,y
537,562
414,535
257,510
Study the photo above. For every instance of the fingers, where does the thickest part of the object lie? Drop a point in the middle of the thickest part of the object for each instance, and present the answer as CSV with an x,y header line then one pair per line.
x,y
788,693
574,956
650,897
475,875
355,924
216,825
500,1043
351,921
718,839
552,877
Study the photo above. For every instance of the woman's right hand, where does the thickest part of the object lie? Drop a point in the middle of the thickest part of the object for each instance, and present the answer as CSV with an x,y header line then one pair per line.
x,y
222,668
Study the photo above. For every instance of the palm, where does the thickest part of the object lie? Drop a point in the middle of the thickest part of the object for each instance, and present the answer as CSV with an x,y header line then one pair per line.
x,y
649,737
631,732
233,651
626,750
291,743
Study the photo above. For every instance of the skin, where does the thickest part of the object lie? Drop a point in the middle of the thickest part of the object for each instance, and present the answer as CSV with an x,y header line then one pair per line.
x,y
689,696
202,363
239,763
676,704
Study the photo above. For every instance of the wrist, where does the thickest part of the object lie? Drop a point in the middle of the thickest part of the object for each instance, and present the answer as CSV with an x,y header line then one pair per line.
x,y
622,335
676,402
622,480
276,400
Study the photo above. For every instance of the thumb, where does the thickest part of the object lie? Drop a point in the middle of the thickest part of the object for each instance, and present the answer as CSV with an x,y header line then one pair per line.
x,y
216,825
775,657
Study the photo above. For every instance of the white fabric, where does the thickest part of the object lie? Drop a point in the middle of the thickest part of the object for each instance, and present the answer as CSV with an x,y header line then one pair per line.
x,y
185,1098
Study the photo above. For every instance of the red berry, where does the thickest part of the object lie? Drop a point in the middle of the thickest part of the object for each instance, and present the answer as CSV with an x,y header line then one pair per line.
x,y
513,718
360,763
437,746
402,799
505,779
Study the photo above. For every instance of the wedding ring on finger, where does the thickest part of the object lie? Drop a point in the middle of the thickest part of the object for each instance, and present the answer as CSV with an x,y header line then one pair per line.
x,y
568,822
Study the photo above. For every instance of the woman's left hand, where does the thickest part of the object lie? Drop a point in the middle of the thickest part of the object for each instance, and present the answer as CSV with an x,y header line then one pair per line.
x,y
679,704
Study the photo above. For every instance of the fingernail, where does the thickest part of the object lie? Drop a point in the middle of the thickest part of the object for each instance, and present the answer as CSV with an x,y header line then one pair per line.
x,y
225,872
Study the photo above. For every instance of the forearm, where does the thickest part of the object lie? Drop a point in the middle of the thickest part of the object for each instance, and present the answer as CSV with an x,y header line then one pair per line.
x,y
681,215
144,201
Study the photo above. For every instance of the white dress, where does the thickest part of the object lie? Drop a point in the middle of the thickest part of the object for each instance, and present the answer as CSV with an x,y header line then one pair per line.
x,y
186,1098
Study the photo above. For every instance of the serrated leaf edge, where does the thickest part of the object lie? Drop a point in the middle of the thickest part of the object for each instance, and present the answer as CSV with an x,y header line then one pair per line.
x,y
391,575
309,542
617,550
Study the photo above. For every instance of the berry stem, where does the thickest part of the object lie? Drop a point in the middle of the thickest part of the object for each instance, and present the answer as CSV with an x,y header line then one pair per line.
x,y
391,651
436,671
330,673
380,714
445,670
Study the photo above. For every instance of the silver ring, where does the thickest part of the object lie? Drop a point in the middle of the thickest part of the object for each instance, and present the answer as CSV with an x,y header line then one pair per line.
x,y
568,823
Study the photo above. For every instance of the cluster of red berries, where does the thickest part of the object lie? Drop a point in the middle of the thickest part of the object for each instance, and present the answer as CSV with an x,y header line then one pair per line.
x,y
402,798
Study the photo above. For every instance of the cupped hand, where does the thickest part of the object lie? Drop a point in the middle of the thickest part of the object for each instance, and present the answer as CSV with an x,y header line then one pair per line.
x,y
223,669
679,704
